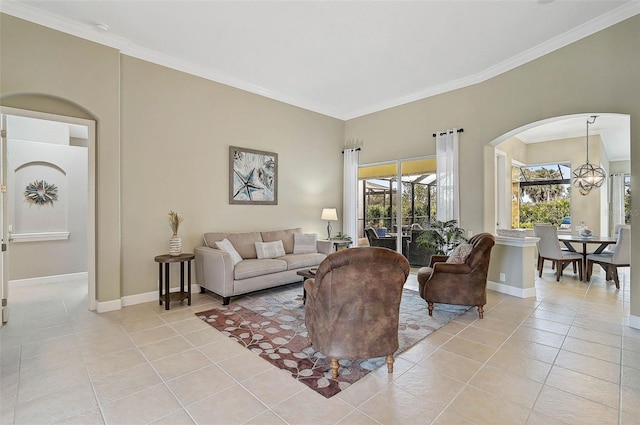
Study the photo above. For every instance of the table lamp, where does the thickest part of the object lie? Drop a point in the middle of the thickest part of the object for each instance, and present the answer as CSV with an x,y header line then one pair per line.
x,y
329,214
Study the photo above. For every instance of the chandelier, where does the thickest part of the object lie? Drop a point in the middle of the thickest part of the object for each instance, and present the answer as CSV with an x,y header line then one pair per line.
x,y
587,176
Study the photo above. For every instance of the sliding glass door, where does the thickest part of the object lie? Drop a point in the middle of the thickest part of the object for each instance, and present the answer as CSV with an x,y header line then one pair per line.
x,y
396,197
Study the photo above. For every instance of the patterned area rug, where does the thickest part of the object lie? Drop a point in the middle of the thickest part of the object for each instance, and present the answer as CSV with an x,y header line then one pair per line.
x,y
271,324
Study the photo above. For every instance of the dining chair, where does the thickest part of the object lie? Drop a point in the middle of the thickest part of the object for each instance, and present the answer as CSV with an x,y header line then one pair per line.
x,y
549,249
616,230
621,257
540,263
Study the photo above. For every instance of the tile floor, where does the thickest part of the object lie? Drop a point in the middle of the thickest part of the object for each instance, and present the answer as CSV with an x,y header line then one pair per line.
x,y
565,357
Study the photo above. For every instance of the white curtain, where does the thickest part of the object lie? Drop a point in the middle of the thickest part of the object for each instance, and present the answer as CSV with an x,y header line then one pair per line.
x,y
350,193
617,199
448,204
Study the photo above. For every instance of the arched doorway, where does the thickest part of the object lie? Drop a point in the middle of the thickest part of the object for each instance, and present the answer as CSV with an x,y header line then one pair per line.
x,y
78,208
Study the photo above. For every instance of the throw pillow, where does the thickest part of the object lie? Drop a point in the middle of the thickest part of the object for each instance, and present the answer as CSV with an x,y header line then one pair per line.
x,y
273,249
227,246
460,254
305,243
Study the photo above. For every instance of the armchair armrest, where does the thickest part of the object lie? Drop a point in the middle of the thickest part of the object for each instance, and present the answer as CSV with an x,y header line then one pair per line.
x,y
438,259
440,267
214,270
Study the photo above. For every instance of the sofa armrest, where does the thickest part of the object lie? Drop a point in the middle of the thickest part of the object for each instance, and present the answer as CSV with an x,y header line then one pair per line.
x,y
214,270
325,247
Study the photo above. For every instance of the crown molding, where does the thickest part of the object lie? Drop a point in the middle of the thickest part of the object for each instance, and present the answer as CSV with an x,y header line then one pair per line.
x,y
50,20
604,21
125,46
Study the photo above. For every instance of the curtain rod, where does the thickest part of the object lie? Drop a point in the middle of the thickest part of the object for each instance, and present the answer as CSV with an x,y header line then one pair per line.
x,y
460,130
356,149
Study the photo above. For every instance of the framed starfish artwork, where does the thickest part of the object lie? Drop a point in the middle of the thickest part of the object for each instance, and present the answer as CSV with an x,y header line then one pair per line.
x,y
253,177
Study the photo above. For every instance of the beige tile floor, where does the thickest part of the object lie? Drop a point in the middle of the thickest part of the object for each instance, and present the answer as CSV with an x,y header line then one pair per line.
x,y
565,357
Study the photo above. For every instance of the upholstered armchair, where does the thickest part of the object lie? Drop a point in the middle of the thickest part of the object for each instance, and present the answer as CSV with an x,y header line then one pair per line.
x,y
460,279
353,304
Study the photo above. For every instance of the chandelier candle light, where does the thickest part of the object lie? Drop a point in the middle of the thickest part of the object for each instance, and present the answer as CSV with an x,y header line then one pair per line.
x,y
329,214
588,176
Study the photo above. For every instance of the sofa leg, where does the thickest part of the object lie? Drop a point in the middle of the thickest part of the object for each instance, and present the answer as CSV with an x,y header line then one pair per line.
x,y
202,290
481,311
430,309
225,300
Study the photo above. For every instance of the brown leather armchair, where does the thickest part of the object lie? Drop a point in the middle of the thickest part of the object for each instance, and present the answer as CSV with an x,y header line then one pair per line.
x,y
353,304
460,284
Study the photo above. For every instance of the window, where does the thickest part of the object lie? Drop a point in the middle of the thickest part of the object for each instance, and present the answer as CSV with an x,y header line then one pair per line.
x,y
627,199
541,194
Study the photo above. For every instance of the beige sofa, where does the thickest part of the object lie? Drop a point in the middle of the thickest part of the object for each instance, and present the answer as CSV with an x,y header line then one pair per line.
x,y
228,273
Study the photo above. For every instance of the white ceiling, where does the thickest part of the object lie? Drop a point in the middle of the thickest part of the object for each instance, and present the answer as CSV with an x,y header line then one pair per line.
x,y
340,58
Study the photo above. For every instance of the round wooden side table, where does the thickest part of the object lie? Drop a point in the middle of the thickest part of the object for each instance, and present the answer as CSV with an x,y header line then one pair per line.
x,y
167,259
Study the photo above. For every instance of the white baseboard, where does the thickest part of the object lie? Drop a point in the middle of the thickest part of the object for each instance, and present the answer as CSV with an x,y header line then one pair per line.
x,y
130,300
634,321
44,280
105,306
511,290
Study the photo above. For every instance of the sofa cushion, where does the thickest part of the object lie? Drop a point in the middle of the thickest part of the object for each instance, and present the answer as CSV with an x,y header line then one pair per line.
x,y
253,267
244,243
225,245
286,236
300,261
305,243
460,254
269,249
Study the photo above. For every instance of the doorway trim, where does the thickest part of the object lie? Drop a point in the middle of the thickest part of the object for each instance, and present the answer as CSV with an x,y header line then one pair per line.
x,y
91,184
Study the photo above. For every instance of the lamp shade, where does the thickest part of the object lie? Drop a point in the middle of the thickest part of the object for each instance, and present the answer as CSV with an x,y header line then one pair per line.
x,y
329,214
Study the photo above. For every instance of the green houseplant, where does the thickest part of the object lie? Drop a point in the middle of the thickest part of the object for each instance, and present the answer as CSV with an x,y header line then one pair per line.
x,y
442,236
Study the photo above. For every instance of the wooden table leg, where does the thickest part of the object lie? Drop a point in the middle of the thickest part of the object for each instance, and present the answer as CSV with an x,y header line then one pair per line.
x,y
167,287
160,283
189,282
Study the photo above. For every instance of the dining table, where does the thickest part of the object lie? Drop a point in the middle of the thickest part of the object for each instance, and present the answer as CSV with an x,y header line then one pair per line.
x,y
569,239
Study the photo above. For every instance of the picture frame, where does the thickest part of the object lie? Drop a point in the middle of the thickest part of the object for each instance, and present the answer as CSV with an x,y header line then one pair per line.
x,y
253,177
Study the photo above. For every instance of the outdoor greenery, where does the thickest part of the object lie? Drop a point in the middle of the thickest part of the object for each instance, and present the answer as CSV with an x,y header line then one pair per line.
x,y
544,212
442,236
380,214
546,202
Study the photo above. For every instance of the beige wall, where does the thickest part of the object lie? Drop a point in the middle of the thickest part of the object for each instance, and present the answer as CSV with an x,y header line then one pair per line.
x,y
176,133
188,127
170,152
556,84
39,69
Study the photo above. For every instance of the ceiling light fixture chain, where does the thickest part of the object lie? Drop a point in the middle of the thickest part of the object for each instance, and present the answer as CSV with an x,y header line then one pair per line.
x,y
587,176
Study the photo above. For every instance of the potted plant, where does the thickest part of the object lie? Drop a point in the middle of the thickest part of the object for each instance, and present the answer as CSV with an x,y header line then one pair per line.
x,y
343,237
442,236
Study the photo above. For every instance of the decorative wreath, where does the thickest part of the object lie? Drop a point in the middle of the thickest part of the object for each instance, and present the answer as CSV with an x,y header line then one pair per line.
x,y
41,193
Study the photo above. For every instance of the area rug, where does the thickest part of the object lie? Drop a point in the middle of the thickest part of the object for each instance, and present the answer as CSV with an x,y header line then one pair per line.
x,y
271,324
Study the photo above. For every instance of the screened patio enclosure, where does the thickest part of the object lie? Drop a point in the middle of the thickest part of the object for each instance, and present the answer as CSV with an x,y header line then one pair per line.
x,y
378,192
